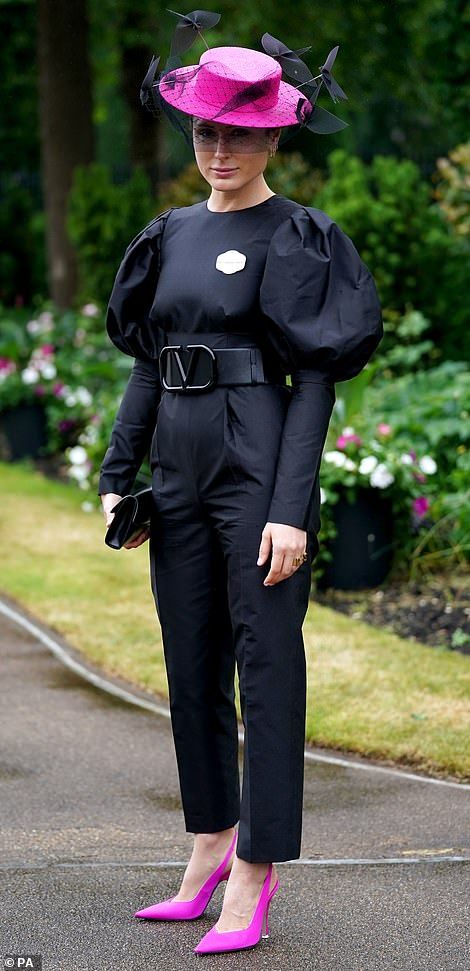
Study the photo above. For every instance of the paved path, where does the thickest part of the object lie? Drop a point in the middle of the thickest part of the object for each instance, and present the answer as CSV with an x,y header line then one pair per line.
x,y
92,829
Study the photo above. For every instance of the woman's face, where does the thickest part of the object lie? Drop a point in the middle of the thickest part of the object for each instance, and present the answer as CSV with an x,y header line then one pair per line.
x,y
242,152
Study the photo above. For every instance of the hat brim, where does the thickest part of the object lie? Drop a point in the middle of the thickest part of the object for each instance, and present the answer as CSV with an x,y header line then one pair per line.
x,y
185,98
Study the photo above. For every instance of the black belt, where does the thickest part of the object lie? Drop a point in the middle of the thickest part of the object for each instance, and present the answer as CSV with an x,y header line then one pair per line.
x,y
191,367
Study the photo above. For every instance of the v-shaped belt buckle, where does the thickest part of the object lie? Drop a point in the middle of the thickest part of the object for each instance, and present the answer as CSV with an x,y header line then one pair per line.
x,y
186,375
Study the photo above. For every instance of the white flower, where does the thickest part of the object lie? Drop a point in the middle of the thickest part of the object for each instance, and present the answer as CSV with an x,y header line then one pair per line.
x,y
78,455
33,326
89,435
71,400
368,464
29,375
381,477
87,506
350,465
90,310
79,472
322,495
48,370
337,458
349,430
427,465
406,459
83,396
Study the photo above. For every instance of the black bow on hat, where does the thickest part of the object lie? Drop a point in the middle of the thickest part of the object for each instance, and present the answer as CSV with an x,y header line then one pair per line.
x,y
315,118
189,27
333,87
147,90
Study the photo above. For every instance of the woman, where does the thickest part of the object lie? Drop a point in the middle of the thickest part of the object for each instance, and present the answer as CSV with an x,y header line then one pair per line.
x,y
218,302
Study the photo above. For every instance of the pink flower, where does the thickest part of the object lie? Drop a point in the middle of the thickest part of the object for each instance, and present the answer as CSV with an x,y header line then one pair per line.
x,y
384,429
413,454
66,424
419,476
39,389
343,440
420,506
47,349
90,310
57,388
5,364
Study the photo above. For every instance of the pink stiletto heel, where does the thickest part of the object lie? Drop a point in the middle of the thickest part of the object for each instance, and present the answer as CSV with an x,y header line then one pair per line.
x,y
189,909
265,928
216,940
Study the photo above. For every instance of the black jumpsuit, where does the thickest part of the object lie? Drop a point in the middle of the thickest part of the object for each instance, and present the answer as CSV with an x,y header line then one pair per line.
x,y
283,277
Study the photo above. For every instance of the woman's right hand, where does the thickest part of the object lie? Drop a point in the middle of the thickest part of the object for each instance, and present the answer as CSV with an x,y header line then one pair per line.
x,y
108,501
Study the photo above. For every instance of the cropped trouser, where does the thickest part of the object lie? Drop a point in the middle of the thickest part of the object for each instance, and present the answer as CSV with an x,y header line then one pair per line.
x,y
213,460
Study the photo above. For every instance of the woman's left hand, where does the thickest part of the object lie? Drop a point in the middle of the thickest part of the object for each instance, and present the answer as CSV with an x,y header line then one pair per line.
x,y
287,542
141,537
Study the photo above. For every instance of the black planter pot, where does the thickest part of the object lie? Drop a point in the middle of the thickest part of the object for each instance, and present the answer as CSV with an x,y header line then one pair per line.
x,y
362,549
23,431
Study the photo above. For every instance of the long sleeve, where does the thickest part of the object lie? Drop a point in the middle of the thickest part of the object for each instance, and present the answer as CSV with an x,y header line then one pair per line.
x,y
132,431
130,328
324,321
295,499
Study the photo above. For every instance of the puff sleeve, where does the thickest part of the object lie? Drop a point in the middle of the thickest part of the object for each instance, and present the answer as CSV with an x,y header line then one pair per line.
x,y
128,315
130,329
323,320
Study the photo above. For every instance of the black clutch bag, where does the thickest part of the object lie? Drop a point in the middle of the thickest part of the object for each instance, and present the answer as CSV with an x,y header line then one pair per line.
x,y
132,514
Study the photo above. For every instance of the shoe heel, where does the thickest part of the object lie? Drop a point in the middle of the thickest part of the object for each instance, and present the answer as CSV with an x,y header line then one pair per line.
x,y
264,927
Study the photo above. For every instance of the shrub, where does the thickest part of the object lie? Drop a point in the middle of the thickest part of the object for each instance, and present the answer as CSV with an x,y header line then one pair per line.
x,y
403,235
433,406
452,188
408,436
102,220
66,362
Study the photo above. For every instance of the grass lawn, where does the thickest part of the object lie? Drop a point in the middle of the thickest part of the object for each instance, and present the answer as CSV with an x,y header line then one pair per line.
x,y
369,691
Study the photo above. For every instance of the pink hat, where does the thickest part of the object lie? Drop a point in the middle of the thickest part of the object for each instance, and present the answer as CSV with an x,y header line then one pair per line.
x,y
239,86
215,87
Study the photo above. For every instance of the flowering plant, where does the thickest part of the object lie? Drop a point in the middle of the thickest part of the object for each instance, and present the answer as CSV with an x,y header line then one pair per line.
x,y
375,459
63,362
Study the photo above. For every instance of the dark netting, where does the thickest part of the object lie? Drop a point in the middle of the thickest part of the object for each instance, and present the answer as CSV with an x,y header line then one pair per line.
x,y
215,106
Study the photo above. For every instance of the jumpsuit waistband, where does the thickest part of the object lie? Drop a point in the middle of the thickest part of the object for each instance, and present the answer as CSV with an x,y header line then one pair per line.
x,y
194,361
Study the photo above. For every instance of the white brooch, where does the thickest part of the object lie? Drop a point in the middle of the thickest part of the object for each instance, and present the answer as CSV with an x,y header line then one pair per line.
x,y
231,261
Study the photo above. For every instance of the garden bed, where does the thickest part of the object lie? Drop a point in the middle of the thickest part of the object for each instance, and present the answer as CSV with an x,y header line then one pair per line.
x,y
435,611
